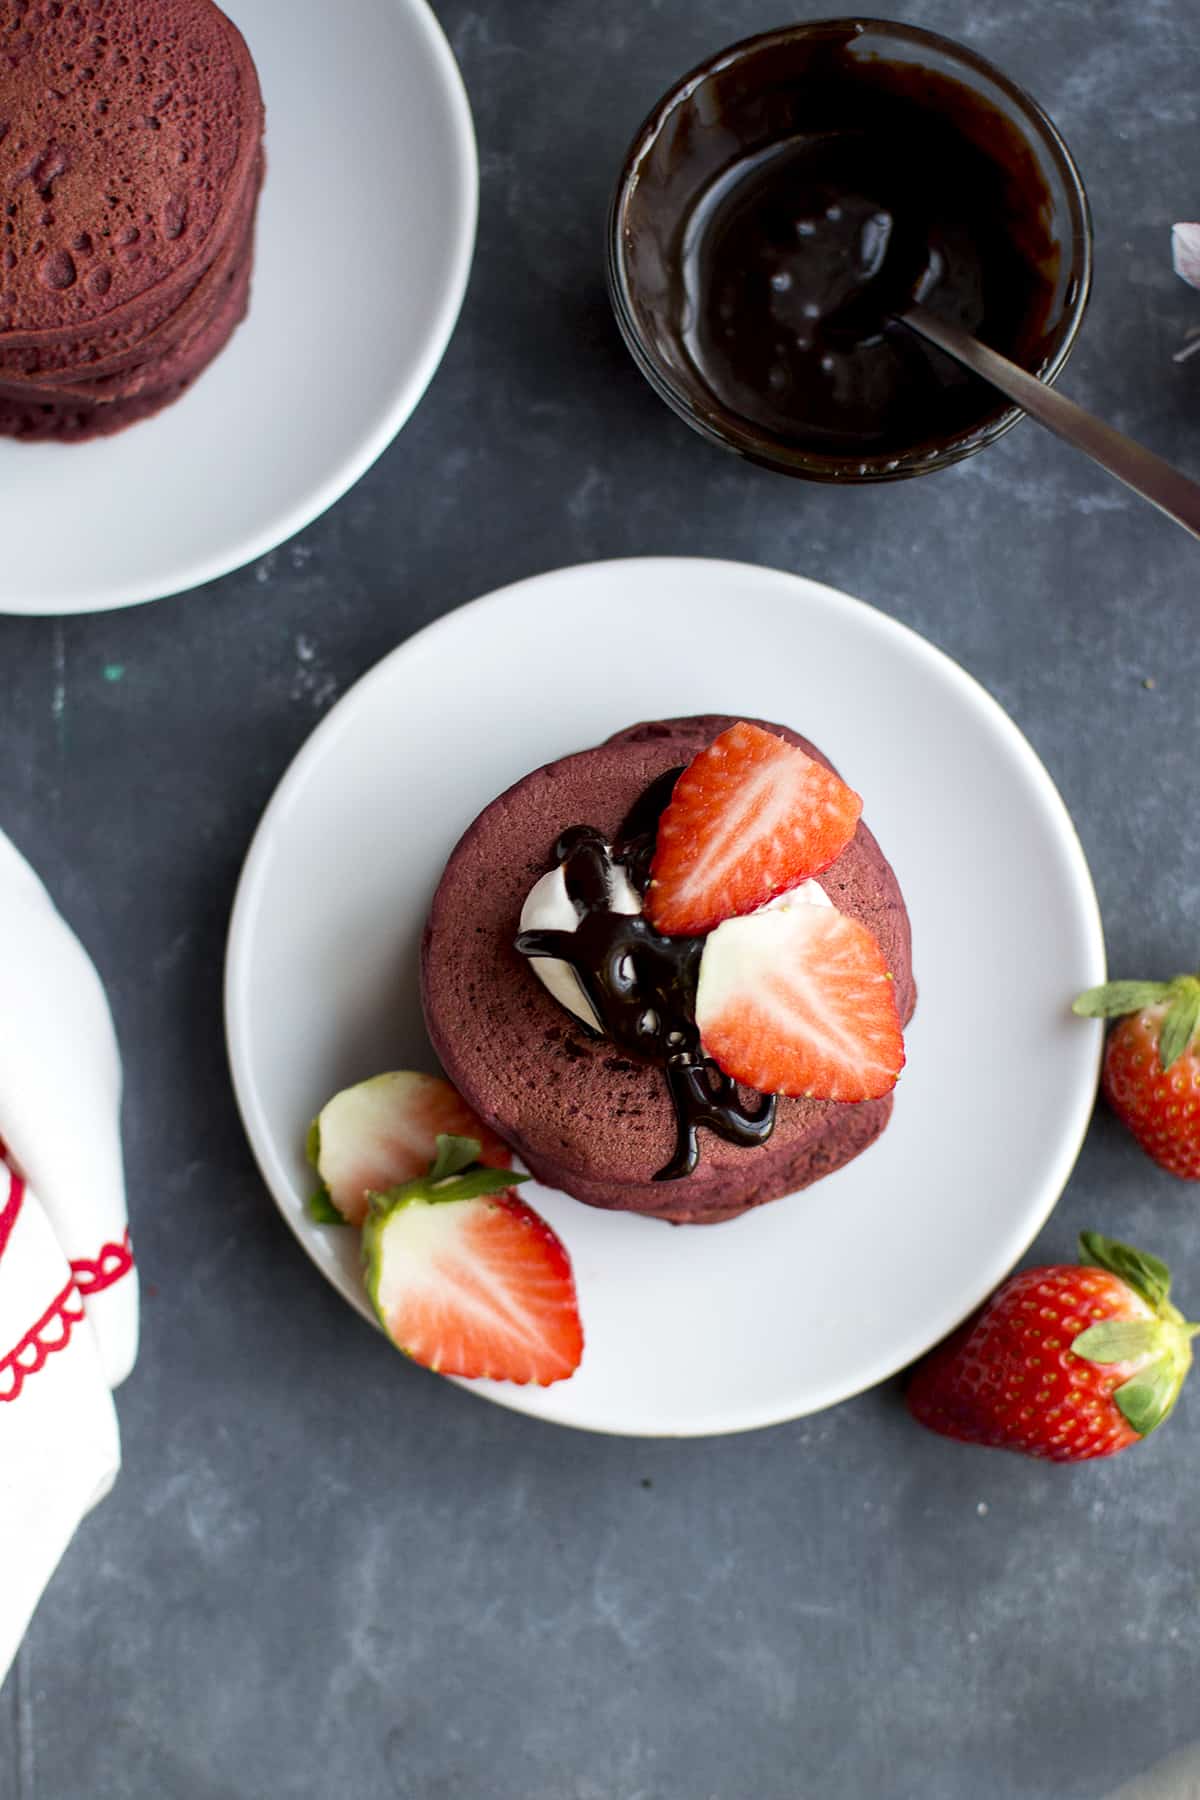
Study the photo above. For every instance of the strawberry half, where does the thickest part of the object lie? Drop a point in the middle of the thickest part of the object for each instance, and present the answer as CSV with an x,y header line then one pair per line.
x,y
750,817
383,1131
1065,1363
1152,1065
468,1280
800,1001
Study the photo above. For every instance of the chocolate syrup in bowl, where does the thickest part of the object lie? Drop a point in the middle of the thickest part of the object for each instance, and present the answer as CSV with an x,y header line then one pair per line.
x,y
794,262
642,985
788,199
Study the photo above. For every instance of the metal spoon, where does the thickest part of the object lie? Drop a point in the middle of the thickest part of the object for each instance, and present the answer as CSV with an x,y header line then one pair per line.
x,y
1148,475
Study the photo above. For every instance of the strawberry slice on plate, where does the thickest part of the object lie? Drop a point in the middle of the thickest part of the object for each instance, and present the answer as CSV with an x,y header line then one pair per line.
x,y
750,817
383,1131
468,1280
800,1001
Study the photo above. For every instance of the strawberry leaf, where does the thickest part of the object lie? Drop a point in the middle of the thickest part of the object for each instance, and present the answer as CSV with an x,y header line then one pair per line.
x,y
1179,1026
453,1154
1146,1398
1119,1340
1116,998
322,1210
1144,1273
472,1184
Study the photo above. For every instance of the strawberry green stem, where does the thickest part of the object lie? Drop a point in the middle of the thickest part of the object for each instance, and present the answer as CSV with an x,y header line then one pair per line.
x,y
454,1174
1180,1023
1157,1348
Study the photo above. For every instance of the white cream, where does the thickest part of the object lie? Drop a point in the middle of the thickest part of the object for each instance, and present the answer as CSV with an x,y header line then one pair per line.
x,y
548,907
809,893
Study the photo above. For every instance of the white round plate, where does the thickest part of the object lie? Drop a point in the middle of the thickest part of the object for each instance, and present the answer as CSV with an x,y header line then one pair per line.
x,y
365,234
799,1304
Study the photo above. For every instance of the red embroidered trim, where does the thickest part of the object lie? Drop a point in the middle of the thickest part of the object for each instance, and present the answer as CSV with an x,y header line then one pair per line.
x,y
92,1276
30,1354
12,1206
89,1275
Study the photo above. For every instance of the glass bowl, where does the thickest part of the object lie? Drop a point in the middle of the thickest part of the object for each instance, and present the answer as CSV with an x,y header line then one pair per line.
x,y
775,87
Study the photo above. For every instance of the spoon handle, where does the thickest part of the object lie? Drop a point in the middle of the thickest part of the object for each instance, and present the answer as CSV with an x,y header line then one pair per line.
x,y
1157,481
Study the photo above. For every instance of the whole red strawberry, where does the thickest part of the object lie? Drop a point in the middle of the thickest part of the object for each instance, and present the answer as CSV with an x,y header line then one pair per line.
x,y
1065,1363
1152,1064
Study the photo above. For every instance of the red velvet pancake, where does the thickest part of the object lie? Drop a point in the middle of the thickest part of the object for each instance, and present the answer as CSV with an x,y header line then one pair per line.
x,y
115,376
130,161
71,417
581,1116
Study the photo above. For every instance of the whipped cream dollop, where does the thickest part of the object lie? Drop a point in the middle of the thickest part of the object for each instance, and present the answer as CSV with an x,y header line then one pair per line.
x,y
548,907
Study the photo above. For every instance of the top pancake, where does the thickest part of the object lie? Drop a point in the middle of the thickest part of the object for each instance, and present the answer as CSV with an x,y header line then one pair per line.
x,y
128,134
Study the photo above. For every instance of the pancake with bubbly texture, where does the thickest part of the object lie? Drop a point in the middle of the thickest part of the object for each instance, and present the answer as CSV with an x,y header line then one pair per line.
x,y
173,358
123,372
130,163
582,1116
70,416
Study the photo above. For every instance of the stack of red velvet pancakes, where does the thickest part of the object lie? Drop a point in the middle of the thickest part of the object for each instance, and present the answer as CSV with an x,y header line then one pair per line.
x,y
596,1111
130,164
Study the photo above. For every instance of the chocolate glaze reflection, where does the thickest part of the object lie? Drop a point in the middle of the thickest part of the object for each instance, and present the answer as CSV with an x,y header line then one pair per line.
x,y
642,985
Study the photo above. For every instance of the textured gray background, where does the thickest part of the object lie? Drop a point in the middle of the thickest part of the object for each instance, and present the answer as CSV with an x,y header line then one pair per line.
x,y
324,1572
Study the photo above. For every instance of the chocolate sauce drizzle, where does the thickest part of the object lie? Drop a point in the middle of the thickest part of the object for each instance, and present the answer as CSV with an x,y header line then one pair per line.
x,y
642,985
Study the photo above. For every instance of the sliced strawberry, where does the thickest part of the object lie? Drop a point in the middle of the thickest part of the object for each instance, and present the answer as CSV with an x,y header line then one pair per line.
x,y
471,1282
385,1131
750,817
800,1001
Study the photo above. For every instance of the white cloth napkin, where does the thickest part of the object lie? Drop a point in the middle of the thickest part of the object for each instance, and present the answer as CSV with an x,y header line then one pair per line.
x,y
68,1289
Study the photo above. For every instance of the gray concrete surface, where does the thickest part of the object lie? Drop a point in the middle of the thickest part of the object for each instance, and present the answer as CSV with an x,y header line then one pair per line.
x,y
324,1573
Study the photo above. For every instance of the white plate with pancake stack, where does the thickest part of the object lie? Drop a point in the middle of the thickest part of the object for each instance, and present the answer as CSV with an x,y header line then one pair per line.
x,y
365,232
695,1329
